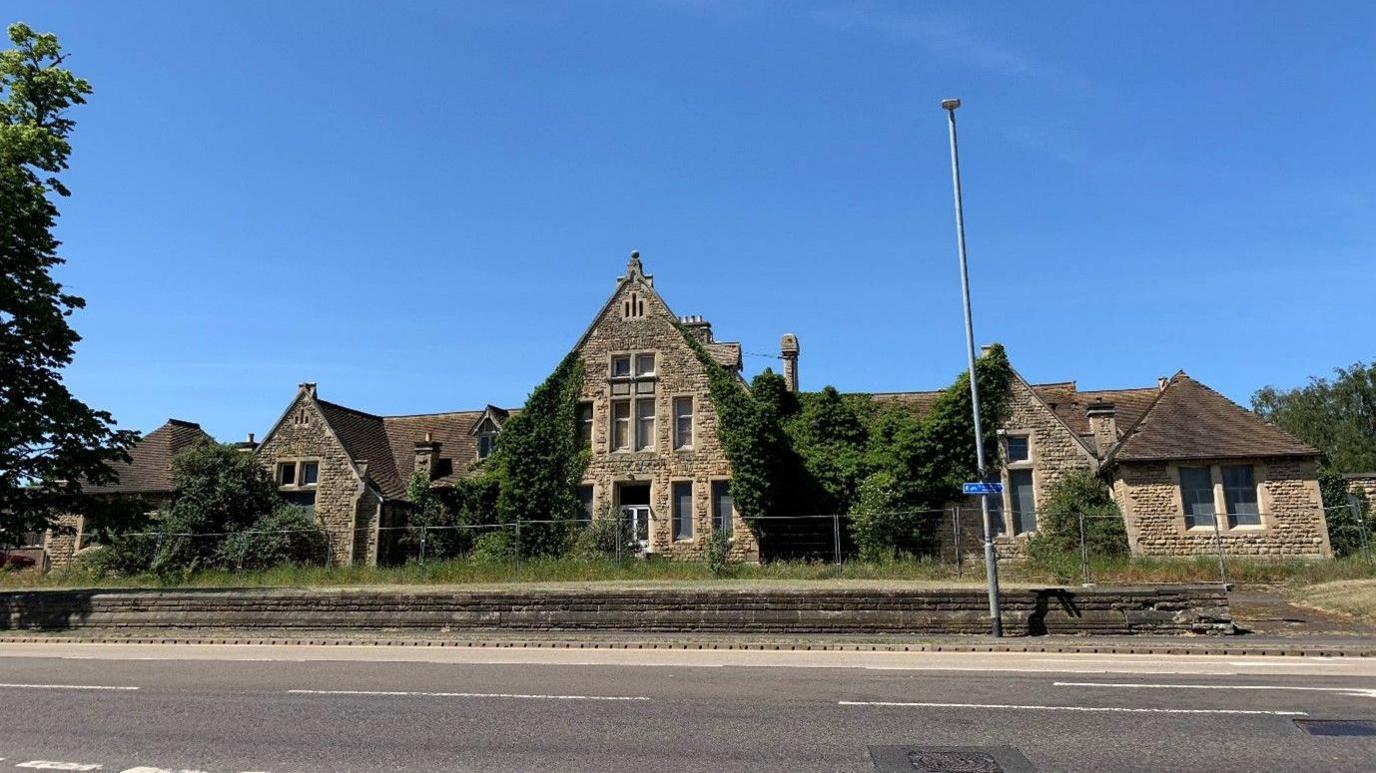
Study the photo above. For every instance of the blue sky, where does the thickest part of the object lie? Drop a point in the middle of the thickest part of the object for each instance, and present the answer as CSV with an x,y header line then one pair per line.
x,y
420,205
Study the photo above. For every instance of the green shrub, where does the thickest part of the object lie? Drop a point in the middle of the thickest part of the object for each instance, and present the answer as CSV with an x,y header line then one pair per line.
x,y
883,529
493,546
719,553
122,555
599,539
288,535
1079,493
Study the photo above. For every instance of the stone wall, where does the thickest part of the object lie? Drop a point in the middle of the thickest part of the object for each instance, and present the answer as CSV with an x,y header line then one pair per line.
x,y
1132,610
1292,511
339,491
678,374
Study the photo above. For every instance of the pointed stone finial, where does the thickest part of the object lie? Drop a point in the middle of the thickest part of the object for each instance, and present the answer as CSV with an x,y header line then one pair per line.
x,y
635,271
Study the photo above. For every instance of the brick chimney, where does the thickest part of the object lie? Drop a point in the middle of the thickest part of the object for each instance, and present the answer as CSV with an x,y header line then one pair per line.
x,y
1103,425
247,445
699,327
427,457
788,352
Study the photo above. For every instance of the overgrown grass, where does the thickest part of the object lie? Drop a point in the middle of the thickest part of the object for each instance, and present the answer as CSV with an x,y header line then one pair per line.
x,y
1292,573
1351,598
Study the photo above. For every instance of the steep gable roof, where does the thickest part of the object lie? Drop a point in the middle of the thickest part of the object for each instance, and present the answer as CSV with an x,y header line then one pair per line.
x,y
149,469
364,438
1188,420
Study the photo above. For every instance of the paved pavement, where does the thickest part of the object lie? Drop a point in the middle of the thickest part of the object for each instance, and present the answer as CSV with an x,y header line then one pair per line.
x,y
149,707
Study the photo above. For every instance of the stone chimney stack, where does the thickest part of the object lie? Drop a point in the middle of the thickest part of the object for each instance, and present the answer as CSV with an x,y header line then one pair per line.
x,y
1161,382
1103,425
788,352
427,457
247,445
699,327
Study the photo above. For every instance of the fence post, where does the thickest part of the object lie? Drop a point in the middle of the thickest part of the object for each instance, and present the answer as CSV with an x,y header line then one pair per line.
x,y
517,552
836,535
422,545
1218,542
1084,553
1355,507
955,526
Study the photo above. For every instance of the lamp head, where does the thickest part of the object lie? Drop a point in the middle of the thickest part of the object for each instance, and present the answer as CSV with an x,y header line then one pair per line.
x,y
950,104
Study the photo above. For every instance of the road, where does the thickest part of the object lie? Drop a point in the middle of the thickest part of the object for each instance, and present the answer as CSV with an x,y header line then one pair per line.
x,y
150,707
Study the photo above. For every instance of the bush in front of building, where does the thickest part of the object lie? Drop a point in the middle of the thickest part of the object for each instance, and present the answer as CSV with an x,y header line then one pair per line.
x,y
287,535
1079,495
606,537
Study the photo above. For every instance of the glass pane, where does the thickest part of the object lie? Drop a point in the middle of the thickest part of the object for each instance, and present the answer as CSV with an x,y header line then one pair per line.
x,y
644,387
1023,500
585,500
1197,494
310,471
645,365
683,422
286,474
621,366
683,510
585,424
645,424
1017,449
1240,495
621,425
721,506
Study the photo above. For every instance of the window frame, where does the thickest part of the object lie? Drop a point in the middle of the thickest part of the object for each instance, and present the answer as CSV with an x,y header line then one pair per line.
x,y
1231,517
586,425
643,444
726,524
678,417
612,436
282,467
677,518
1192,520
1015,511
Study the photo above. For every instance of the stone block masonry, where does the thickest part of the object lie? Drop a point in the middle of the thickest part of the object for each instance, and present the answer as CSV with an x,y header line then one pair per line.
x,y
1192,609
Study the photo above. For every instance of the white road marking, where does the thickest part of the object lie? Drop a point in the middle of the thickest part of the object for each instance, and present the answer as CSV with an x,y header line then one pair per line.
x,y
474,695
1034,707
1307,662
67,687
51,765
1359,692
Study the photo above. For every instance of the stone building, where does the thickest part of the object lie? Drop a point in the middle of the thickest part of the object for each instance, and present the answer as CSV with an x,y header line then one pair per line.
x,y
650,423
1187,467
145,481
352,468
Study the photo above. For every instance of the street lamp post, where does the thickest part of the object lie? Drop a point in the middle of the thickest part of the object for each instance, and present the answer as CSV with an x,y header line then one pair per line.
x,y
991,565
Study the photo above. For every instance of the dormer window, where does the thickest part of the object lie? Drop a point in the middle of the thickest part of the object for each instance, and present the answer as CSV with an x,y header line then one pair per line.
x,y
487,441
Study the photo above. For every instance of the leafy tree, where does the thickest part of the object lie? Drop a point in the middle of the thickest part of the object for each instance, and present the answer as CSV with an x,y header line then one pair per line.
x,y
50,442
217,490
1338,417
287,535
1078,493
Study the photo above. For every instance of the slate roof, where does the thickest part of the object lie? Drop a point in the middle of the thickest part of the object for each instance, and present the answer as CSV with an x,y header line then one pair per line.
x,y
1188,420
388,443
149,470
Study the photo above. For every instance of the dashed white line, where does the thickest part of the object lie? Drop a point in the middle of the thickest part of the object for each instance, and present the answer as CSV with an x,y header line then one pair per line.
x,y
1035,707
1360,692
52,765
67,687
473,695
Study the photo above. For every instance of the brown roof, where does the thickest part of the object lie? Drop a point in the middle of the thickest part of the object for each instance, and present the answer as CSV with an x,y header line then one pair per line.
x,y
149,470
725,353
1069,404
388,443
919,404
453,431
1191,421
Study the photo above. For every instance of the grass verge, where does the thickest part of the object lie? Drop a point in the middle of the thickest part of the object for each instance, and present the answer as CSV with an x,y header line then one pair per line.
x,y
1284,573
1349,598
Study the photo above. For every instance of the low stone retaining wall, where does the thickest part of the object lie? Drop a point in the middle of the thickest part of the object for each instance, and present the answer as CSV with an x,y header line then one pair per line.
x,y
1168,609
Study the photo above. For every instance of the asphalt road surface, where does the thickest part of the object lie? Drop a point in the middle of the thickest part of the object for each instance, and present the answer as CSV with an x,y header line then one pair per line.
x,y
149,708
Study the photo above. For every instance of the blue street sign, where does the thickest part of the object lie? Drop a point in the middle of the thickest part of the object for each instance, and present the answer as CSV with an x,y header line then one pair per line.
x,y
983,489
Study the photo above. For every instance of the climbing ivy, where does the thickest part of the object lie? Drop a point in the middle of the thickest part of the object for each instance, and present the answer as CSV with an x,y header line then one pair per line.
x,y
538,463
829,452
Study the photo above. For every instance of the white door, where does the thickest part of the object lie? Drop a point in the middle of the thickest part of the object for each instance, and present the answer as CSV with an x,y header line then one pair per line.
x,y
637,518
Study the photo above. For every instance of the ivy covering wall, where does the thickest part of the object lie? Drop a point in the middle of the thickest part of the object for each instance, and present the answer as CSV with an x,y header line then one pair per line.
x,y
827,452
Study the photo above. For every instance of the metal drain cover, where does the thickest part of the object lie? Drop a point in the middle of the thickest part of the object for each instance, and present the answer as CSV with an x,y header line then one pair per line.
x,y
949,759
1337,726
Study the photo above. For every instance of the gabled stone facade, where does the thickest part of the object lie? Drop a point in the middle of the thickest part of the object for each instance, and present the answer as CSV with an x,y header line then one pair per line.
x,y
639,376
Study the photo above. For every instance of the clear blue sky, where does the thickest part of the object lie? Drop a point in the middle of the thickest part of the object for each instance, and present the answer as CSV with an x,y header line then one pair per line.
x,y
420,205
